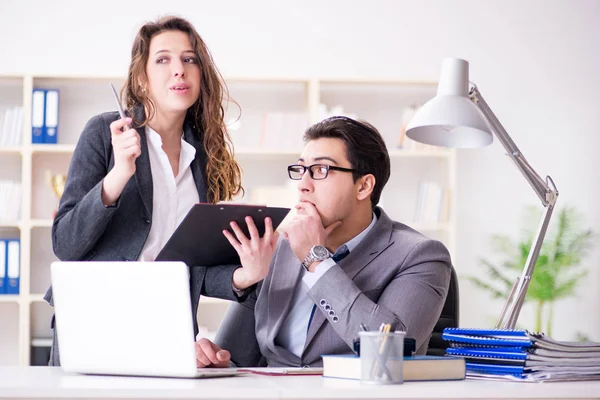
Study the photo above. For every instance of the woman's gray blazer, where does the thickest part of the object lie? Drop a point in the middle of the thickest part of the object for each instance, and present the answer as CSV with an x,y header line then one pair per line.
x,y
85,230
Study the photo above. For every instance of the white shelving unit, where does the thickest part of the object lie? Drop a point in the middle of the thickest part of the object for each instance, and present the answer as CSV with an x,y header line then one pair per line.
x,y
27,316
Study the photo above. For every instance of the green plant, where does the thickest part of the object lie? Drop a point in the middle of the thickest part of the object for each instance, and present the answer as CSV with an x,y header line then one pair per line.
x,y
558,268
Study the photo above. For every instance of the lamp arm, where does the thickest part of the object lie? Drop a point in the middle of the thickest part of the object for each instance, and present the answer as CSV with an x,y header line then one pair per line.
x,y
544,191
547,193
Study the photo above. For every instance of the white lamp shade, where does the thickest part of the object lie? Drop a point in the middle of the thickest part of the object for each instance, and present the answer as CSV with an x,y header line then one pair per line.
x,y
451,119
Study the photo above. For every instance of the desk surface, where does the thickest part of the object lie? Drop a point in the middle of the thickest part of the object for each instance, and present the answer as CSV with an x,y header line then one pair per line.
x,y
53,383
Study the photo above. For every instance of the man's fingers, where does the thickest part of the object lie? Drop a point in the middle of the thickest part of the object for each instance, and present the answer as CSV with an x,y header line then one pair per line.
x,y
224,357
310,209
201,359
208,351
300,208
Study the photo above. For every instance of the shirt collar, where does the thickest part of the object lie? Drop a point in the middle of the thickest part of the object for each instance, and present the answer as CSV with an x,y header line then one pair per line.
x,y
352,243
188,152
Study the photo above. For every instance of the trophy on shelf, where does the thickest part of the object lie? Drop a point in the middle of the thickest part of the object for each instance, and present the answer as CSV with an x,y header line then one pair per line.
x,y
57,184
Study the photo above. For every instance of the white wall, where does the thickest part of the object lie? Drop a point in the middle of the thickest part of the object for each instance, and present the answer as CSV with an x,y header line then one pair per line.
x,y
536,62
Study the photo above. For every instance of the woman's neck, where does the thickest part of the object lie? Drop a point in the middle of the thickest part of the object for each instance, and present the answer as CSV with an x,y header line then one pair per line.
x,y
169,126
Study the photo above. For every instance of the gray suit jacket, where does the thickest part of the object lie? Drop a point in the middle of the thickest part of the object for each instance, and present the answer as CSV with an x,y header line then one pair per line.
x,y
85,230
395,275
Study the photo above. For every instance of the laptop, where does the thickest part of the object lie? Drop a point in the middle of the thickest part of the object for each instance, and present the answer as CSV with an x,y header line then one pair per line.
x,y
126,318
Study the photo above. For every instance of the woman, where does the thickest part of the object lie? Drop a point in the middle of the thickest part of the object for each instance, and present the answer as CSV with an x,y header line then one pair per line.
x,y
129,188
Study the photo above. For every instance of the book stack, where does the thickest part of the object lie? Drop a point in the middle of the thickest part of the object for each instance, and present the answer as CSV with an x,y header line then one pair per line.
x,y
508,354
414,368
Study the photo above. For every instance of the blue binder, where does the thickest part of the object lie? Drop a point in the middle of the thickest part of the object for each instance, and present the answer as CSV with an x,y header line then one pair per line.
x,y
488,332
51,117
38,111
490,351
465,340
511,353
496,369
13,266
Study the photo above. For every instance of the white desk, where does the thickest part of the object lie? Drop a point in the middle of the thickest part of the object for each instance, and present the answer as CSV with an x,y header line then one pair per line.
x,y
53,383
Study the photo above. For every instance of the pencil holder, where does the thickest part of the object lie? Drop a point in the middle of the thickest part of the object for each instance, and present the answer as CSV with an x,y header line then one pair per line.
x,y
381,356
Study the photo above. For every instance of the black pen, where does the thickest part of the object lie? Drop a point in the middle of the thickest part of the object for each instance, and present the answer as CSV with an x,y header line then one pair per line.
x,y
119,107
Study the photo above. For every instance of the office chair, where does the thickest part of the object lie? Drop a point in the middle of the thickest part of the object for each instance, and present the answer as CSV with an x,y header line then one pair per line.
x,y
448,319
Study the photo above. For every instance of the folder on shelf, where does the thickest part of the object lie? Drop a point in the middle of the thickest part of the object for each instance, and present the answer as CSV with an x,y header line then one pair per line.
x,y
51,117
13,258
3,264
38,109
12,126
15,139
199,239
6,126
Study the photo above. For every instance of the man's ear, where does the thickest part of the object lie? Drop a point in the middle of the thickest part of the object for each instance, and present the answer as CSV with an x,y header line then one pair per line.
x,y
366,184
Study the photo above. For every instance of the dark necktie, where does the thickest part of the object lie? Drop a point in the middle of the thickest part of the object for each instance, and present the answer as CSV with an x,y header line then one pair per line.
x,y
339,255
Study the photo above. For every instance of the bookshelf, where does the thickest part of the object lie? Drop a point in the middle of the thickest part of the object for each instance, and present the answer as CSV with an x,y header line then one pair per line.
x,y
266,135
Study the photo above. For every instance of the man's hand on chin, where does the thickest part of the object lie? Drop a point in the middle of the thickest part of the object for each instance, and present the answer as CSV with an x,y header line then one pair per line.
x,y
306,230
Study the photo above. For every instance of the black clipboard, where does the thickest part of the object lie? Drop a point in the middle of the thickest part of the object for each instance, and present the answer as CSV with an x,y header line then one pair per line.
x,y
199,239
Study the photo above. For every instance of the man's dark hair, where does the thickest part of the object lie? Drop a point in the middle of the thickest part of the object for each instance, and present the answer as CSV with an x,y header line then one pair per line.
x,y
365,148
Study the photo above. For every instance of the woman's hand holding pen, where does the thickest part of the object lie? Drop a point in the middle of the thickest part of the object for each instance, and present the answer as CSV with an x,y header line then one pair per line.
x,y
126,145
255,253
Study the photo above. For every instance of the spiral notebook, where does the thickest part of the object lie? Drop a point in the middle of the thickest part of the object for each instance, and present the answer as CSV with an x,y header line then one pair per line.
x,y
521,353
487,337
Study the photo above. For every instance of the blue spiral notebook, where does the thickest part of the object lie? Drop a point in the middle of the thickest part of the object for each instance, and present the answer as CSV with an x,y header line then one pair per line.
x,y
501,353
517,333
460,337
522,354
495,369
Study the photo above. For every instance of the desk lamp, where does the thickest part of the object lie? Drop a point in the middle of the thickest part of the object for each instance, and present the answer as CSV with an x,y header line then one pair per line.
x,y
458,116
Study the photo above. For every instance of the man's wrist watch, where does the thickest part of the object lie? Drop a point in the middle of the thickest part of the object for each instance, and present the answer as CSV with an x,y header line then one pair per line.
x,y
316,253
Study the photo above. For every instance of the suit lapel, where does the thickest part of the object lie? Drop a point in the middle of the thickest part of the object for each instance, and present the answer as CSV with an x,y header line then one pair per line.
x,y
286,274
375,243
143,172
198,165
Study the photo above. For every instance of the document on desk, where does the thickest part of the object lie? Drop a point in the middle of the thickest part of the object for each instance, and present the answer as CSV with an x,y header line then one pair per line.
x,y
270,371
535,377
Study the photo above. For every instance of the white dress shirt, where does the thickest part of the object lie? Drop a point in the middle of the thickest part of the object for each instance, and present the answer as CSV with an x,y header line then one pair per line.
x,y
292,334
172,196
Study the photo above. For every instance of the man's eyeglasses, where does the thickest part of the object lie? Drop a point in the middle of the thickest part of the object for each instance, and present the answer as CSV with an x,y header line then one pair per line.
x,y
316,171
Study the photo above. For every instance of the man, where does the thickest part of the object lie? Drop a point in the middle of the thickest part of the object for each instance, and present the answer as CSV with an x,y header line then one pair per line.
x,y
341,262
